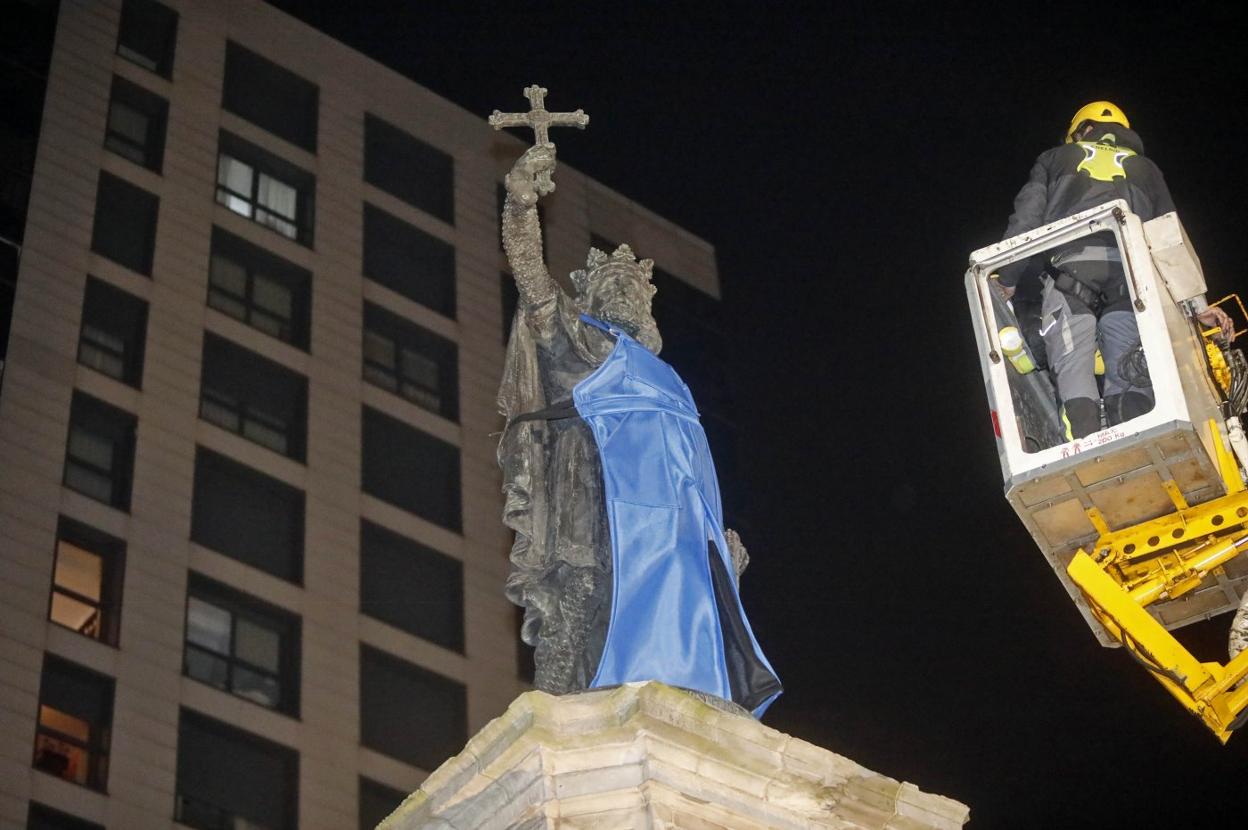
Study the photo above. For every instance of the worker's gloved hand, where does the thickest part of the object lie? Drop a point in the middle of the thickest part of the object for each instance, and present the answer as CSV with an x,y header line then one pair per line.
x,y
1214,316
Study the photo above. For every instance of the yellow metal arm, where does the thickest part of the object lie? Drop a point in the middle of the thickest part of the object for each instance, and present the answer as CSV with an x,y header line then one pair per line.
x,y
1211,691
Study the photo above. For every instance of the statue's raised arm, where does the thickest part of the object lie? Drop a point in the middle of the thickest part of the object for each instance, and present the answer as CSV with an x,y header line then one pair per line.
x,y
528,181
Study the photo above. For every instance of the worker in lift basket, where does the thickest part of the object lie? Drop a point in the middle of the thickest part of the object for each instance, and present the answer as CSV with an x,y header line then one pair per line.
x,y
1084,299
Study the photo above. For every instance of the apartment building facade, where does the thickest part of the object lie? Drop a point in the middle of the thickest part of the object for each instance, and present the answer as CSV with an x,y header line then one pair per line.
x,y
249,508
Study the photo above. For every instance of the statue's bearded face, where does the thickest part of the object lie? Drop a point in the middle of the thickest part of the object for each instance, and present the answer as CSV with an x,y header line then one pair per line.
x,y
620,297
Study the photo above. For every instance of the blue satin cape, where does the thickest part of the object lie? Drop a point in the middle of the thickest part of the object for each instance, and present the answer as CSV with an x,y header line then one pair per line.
x,y
675,613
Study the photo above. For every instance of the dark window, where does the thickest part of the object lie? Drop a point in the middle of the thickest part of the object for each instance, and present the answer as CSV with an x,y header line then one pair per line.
x,y
411,469
45,818
404,358
406,167
113,327
376,802
99,455
148,35
247,516
75,713
266,189
405,259
228,778
411,587
511,300
242,645
270,96
264,291
86,581
252,396
410,713
136,124
125,223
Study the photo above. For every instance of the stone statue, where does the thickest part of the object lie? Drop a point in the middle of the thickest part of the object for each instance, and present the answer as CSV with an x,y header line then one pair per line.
x,y
579,537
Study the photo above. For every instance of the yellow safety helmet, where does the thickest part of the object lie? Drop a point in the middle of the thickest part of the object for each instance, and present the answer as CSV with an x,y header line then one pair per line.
x,y
1103,111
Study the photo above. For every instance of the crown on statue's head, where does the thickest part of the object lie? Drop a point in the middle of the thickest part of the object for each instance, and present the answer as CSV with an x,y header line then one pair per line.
x,y
600,265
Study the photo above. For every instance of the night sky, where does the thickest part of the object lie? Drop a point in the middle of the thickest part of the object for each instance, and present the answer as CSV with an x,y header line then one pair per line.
x,y
844,164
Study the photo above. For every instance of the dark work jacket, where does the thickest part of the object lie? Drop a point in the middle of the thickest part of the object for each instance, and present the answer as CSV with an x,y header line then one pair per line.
x,y
1074,177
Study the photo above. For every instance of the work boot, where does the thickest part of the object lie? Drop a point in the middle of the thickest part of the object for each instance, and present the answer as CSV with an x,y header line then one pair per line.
x,y
1124,407
1082,416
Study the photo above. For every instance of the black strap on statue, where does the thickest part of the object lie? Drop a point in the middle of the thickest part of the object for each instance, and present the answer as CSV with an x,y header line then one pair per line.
x,y
558,412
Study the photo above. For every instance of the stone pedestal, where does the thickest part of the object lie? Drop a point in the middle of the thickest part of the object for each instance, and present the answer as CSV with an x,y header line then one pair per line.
x,y
647,755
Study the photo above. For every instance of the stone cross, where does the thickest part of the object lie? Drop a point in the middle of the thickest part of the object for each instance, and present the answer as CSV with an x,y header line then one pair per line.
x,y
540,120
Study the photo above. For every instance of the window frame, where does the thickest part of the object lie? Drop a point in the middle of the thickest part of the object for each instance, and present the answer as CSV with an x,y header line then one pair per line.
x,y
112,555
239,61
96,745
262,164
104,222
239,605
408,341
49,817
260,265
148,104
379,544
421,756
120,474
130,357
246,412
130,13
415,158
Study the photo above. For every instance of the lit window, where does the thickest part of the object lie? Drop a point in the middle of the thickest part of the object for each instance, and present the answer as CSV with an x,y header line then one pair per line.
x,y
136,124
265,189
241,645
262,290
404,358
86,581
254,397
147,35
99,456
113,327
75,713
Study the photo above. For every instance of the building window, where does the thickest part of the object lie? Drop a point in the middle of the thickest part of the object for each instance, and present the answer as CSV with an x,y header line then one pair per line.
x,y
411,587
265,189
410,713
376,802
228,778
136,124
148,34
113,327
511,300
270,96
99,457
411,469
86,581
45,818
251,396
404,358
409,261
408,168
75,713
264,291
241,645
247,516
125,223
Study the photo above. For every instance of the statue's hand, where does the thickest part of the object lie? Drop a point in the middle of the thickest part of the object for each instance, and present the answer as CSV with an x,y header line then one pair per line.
x,y
529,178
